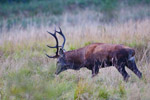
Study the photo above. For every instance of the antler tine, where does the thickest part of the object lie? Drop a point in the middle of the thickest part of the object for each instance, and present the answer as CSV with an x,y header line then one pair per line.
x,y
52,46
50,33
55,31
51,56
62,36
57,45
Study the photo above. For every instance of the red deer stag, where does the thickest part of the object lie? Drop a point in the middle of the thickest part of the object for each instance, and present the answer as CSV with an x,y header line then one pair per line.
x,y
94,57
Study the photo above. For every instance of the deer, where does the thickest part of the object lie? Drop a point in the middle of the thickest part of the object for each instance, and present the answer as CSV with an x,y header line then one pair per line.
x,y
95,56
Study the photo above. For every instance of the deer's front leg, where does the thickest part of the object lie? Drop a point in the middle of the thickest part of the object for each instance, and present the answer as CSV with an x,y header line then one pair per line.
x,y
95,69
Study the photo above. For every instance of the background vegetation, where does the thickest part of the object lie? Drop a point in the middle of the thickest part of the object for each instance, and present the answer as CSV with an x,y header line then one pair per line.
x,y
27,74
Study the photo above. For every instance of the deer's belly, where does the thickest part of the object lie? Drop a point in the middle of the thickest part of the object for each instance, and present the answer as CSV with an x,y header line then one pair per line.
x,y
105,64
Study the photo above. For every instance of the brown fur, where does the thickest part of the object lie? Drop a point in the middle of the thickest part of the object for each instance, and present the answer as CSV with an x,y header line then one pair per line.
x,y
99,51
100,55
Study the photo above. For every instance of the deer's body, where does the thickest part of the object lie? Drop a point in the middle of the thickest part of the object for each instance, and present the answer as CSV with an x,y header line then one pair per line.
x,y
104,54
96,56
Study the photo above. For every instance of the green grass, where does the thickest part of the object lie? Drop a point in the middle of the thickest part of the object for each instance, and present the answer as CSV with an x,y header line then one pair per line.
x,y
32,81
27,74
103,94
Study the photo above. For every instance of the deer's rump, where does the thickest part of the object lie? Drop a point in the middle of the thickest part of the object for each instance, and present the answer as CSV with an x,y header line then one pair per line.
x,y
107,54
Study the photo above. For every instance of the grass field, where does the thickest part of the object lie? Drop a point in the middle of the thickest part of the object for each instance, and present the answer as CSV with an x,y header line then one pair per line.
x,y
27,74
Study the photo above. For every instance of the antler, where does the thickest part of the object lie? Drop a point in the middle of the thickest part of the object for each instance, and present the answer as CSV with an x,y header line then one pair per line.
x,y
57,45
60,32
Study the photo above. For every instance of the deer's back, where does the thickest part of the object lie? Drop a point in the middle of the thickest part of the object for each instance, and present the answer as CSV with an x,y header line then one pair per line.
x,y
100,51
107,51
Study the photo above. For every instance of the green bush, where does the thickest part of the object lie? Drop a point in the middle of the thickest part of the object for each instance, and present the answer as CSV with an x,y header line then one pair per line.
x,y
17,12
14,1
134,2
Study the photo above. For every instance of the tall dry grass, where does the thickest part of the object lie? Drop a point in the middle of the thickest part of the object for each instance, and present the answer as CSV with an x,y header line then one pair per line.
x,y
26,73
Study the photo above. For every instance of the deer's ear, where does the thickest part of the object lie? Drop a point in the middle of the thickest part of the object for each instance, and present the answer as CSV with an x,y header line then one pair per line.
x,y
61,52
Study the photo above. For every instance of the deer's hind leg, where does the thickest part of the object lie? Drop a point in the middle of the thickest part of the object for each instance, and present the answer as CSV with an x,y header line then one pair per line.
x,y
132,66
120,66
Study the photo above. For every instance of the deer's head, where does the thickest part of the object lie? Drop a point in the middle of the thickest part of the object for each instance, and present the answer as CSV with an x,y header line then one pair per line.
x,y
60,54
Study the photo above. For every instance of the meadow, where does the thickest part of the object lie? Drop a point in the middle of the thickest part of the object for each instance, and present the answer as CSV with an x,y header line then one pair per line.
x,y
27,74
